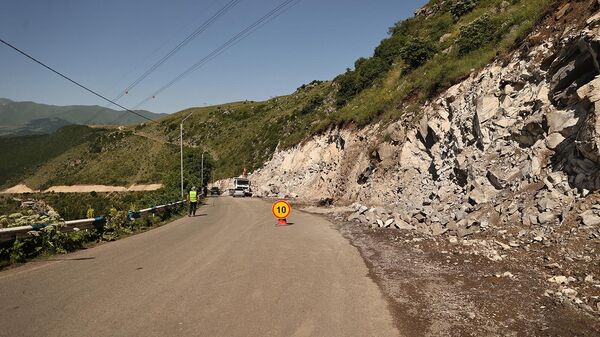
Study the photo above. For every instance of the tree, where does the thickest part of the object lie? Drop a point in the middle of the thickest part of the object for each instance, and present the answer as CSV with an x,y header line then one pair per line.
x,y
416,52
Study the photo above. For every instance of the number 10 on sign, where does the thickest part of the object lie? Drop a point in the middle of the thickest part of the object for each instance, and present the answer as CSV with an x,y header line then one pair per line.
x,y
281,209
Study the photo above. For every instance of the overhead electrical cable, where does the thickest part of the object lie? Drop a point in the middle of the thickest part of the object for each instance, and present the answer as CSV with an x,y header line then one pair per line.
x,y
199,30
275,12
72,81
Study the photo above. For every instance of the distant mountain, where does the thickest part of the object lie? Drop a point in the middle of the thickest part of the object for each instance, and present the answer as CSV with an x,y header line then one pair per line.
x,y
27,118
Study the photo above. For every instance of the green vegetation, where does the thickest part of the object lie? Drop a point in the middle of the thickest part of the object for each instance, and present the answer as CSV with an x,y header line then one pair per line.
x,y
26,118
51,241
430,53
415,52
245,134
421,57
21,155
118,158
482,31
459,8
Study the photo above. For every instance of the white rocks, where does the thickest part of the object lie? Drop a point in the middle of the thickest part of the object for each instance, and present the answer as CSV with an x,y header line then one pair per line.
x,y
595,18
487,107
590,218
569,292
401,224
546,217
559,120
554,140
559,279
508,274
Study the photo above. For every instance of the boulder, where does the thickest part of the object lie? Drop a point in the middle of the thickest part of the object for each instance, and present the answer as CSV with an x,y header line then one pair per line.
x,y
487,107
362,209
559,120
559,279
554,140
353,216
482,193
545,204
588,136
401,224
438,229
590,218
546,217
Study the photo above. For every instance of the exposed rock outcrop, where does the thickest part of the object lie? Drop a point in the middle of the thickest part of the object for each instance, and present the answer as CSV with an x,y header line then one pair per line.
x,y
516,141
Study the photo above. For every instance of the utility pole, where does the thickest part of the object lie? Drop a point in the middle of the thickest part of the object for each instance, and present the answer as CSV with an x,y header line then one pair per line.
x,y
202,172
181,150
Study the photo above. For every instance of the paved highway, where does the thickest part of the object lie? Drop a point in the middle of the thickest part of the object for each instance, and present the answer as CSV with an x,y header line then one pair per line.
x,y
228,272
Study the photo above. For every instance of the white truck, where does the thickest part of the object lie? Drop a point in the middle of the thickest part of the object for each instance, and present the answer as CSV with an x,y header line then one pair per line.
x,y
241,187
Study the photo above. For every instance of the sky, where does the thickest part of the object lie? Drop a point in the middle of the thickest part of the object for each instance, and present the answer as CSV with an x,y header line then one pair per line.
x,y
107,44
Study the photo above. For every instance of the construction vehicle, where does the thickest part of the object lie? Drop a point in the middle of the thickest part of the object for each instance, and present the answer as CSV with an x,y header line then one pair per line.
x,y
241,187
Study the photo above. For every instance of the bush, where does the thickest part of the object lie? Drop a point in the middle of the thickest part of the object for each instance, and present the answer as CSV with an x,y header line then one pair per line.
x,y
389,49
371,69
482,31
459,8
416,52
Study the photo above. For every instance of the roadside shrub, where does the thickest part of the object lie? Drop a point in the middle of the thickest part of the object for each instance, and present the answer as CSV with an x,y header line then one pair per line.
x,y
115,225
416,52
459,8
482,31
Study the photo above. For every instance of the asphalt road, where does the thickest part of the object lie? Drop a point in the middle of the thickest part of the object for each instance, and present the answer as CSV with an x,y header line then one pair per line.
x,y
228,272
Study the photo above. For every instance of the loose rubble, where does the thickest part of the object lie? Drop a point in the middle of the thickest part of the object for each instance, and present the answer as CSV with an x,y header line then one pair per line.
x,y
504,165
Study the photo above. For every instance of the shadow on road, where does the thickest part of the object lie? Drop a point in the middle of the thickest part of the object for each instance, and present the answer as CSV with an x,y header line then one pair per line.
x,y
71,259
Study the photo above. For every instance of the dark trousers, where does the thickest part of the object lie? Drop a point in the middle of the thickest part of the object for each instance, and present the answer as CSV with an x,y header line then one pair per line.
x,y
193,208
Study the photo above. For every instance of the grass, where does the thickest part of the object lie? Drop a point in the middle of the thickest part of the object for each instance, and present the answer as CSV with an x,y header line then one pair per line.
x,y
400,88
21,156
244,135
110,158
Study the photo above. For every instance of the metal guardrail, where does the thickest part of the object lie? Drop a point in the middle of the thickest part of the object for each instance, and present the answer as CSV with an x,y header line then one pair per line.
x,y
11,233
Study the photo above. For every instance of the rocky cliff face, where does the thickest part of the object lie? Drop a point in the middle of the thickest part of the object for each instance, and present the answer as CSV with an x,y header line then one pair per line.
x,y
515,142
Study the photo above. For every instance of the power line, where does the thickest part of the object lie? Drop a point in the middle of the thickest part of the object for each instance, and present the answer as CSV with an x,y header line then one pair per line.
x,y
275,12
71,80
200,29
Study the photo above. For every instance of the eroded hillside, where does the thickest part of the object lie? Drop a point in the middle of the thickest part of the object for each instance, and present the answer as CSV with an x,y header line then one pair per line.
x,y
495,177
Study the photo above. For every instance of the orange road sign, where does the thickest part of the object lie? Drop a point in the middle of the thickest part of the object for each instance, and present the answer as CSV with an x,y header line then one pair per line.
x,y
281,209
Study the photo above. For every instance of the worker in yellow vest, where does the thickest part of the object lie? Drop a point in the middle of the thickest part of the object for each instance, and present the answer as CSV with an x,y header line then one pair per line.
x,y
193,200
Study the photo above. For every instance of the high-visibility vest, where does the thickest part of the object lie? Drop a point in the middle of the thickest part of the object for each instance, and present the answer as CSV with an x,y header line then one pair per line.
x,y
193,197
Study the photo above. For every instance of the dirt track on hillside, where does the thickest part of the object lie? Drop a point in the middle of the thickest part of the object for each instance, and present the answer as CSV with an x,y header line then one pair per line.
x,y
21,189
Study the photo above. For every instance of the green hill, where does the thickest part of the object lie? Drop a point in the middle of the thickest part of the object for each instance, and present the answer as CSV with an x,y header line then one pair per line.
x,y
423,55
21,156
25,118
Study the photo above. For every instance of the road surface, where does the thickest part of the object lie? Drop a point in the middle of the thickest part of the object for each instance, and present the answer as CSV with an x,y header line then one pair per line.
x,y
228,272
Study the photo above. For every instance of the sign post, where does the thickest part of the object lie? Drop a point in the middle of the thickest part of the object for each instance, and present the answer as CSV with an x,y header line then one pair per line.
x,y
281,210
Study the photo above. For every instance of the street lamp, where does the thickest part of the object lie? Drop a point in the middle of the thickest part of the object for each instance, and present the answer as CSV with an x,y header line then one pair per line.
x,y
181,149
